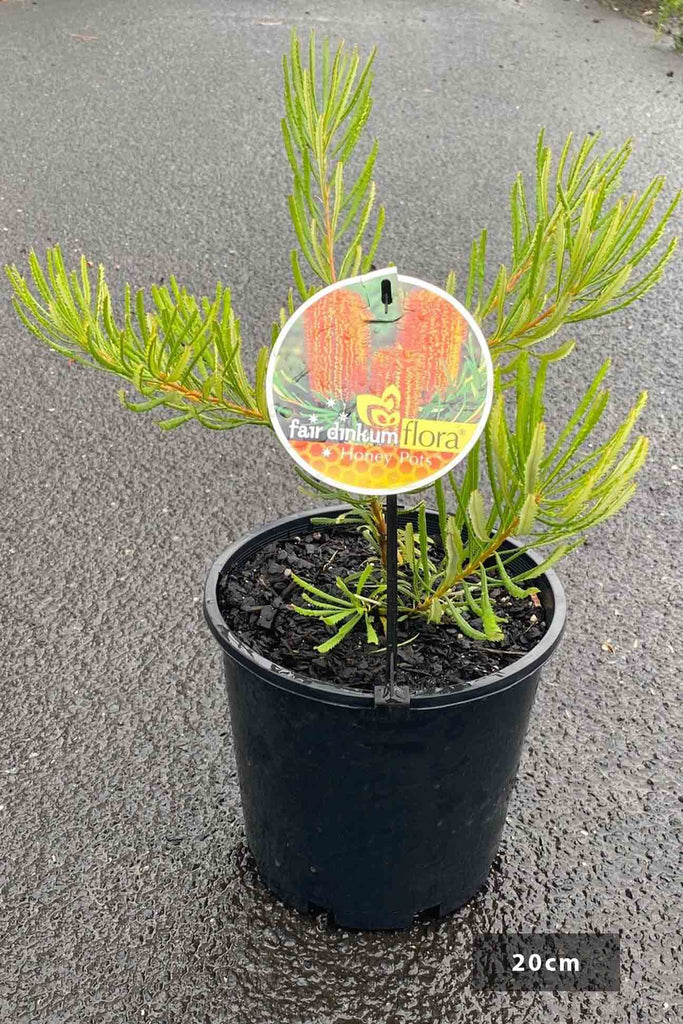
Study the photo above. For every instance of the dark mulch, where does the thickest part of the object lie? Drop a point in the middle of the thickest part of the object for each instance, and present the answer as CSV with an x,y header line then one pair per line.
x,y
255,601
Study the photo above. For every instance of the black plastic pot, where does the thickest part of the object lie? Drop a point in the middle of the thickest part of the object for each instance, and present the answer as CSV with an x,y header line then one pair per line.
x,y
374,814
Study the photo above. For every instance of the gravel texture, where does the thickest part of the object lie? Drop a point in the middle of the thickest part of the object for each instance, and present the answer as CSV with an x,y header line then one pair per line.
x,y
147,136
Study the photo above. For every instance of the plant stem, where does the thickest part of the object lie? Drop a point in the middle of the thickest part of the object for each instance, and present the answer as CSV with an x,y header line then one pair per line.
x,y
196,396
329,235
380,523
470,568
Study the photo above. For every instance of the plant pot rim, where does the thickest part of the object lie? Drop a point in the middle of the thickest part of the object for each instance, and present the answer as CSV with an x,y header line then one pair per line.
x,y
478,689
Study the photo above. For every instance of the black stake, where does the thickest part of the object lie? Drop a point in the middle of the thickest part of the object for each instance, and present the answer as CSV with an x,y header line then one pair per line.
x,y
390,693
392,593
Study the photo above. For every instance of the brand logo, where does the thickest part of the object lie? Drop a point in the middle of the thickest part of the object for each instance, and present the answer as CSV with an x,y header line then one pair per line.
x,y
380,410
436,436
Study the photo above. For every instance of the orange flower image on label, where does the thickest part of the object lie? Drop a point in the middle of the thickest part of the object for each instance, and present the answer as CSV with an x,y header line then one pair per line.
x,y
337,344
379,384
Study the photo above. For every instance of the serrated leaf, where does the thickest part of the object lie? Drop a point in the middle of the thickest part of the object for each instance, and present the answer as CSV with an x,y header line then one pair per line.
x,y
311,589
262,360
174,421
534,458
465,627
436,611
527,515
561,551
488,616
370,632
454,552
477,515
339,635
509,584
473,606
409,544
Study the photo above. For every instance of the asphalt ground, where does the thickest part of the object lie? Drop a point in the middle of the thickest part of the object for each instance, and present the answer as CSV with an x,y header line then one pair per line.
x,y
147,136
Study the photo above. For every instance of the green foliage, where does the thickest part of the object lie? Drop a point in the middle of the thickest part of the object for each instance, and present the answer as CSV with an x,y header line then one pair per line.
x,y
347,611
184,355
327,105
546,496
579,250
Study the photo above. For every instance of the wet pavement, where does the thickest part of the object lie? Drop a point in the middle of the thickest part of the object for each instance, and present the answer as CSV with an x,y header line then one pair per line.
x,y
147,136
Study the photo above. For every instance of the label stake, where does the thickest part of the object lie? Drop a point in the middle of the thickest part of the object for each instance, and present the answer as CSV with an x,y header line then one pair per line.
x,y
392,592
390,693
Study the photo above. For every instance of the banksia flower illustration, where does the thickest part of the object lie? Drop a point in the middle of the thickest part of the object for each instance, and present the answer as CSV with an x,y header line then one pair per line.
x,y
337,341
384,369
432,326
404,368
412,381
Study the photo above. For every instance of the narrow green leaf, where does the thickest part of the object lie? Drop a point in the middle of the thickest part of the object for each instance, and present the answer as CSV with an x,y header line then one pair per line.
x,y
509,585
560,552
527,516
367,261
309,588
370,632
174,421
489,619
339,635
440,495
469,598
454,552
475,509
534,458
423,538
465,627
409,544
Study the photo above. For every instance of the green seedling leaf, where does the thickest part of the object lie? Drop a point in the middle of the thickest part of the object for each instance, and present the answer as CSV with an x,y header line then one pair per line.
x,y
488,616
309,588
370,632
465,627
509,584
339,635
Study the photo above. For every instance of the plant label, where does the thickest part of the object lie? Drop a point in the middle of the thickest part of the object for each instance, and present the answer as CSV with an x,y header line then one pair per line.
x,y
379,384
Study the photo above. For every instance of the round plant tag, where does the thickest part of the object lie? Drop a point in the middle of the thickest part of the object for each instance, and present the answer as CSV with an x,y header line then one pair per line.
x,y
379,384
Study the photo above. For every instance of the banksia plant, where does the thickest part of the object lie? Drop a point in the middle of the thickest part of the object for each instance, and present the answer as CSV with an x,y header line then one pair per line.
x,y
337,342
579,249
437,332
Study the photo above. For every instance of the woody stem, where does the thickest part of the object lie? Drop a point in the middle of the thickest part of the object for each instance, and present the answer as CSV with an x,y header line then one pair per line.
x,y
471,567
